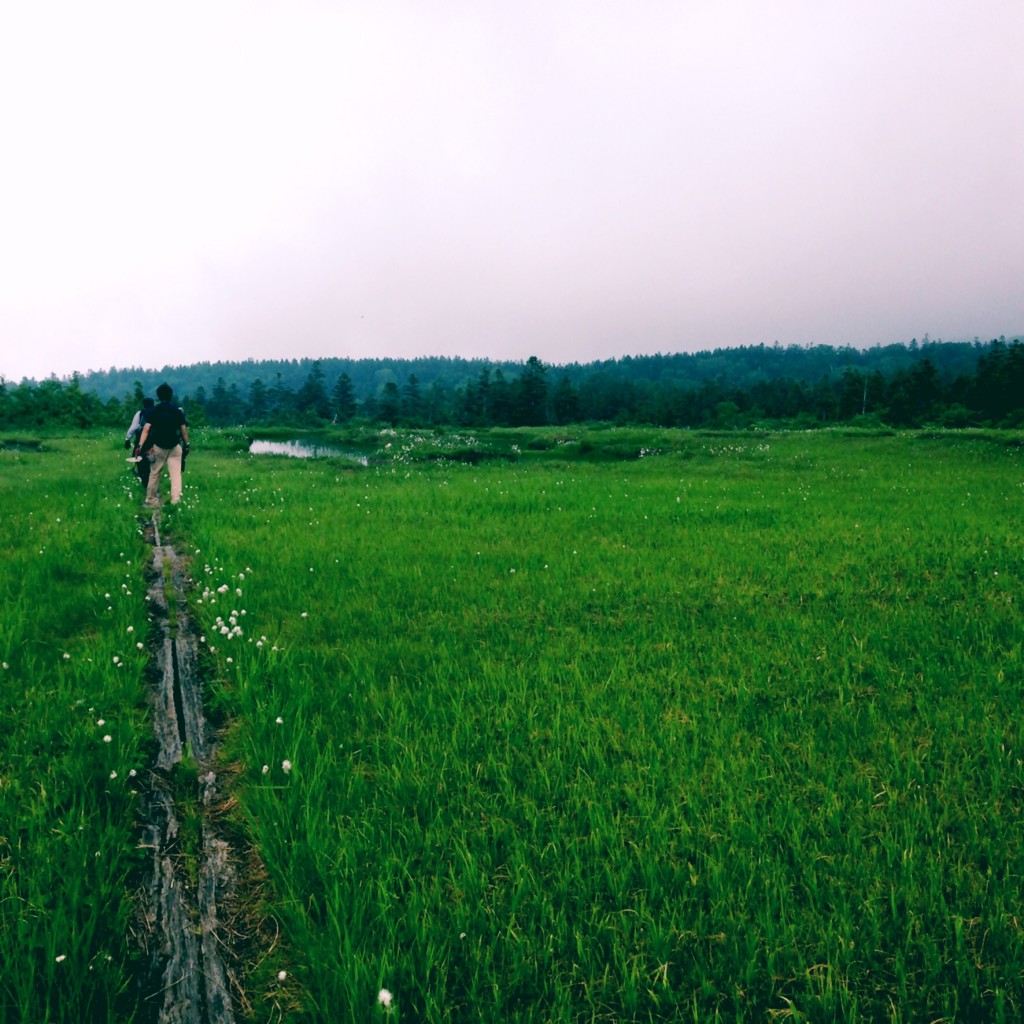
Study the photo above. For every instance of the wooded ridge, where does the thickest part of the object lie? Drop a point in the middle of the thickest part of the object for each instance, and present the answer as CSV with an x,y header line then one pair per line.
x,y
948,384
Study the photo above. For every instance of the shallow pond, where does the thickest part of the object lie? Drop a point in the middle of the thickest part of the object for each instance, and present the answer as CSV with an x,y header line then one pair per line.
x,y
305,450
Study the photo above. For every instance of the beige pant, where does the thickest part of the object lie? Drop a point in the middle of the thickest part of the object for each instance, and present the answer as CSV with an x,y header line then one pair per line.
x,y
171,457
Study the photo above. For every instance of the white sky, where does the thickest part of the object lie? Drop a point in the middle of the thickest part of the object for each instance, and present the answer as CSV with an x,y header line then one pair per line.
x,y
573,179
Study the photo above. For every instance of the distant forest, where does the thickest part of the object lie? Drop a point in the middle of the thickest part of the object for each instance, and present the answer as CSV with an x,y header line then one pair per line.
x,y
948,384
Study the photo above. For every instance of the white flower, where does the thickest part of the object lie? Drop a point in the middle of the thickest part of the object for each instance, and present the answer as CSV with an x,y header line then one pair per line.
x,y
113,775
384,997
60,959
279,720
108,738
131,629
281,975
266,768
286,766
67,657
101,721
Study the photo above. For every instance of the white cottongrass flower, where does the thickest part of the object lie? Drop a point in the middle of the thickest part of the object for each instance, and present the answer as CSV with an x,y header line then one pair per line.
x,y
279,720
266,768
281,975
60,959
113,775
286,766
108,738
384,997
101,721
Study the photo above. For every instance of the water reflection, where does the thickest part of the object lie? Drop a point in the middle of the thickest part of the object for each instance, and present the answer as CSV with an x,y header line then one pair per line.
x,y
304,450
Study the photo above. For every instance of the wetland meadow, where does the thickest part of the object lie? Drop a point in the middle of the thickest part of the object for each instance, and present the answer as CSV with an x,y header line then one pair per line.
x,y
536,725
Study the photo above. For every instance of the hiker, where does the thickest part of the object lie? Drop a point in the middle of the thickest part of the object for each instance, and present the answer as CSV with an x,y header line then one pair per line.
x,y
131,441
164,441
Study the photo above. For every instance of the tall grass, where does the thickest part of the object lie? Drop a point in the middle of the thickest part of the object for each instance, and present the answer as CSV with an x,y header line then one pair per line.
x,y
724,732
72,618
729,731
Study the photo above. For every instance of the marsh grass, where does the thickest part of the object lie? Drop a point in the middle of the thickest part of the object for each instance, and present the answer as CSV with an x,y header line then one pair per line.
x,y
729,729
674,727
71,615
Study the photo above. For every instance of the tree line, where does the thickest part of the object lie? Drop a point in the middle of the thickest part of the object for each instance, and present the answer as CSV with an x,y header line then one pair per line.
x,y
934,383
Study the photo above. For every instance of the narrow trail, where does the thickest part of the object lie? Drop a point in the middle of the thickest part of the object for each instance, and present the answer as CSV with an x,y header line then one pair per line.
x,y
191,871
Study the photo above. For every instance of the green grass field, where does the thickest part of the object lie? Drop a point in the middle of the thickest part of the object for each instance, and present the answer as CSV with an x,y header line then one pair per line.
x,y
729,731
75,731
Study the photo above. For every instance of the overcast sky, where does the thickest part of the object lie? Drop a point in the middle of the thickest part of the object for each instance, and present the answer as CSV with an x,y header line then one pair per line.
x,y
230,179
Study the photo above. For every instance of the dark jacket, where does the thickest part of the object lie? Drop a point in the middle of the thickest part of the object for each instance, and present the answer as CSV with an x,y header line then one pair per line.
x,y
165,422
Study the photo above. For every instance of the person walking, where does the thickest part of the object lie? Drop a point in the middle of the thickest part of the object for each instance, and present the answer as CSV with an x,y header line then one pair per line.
x,y
165,440
131,441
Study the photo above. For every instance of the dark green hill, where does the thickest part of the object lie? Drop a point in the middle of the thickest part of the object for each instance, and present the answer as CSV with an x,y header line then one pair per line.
x,y
941,383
